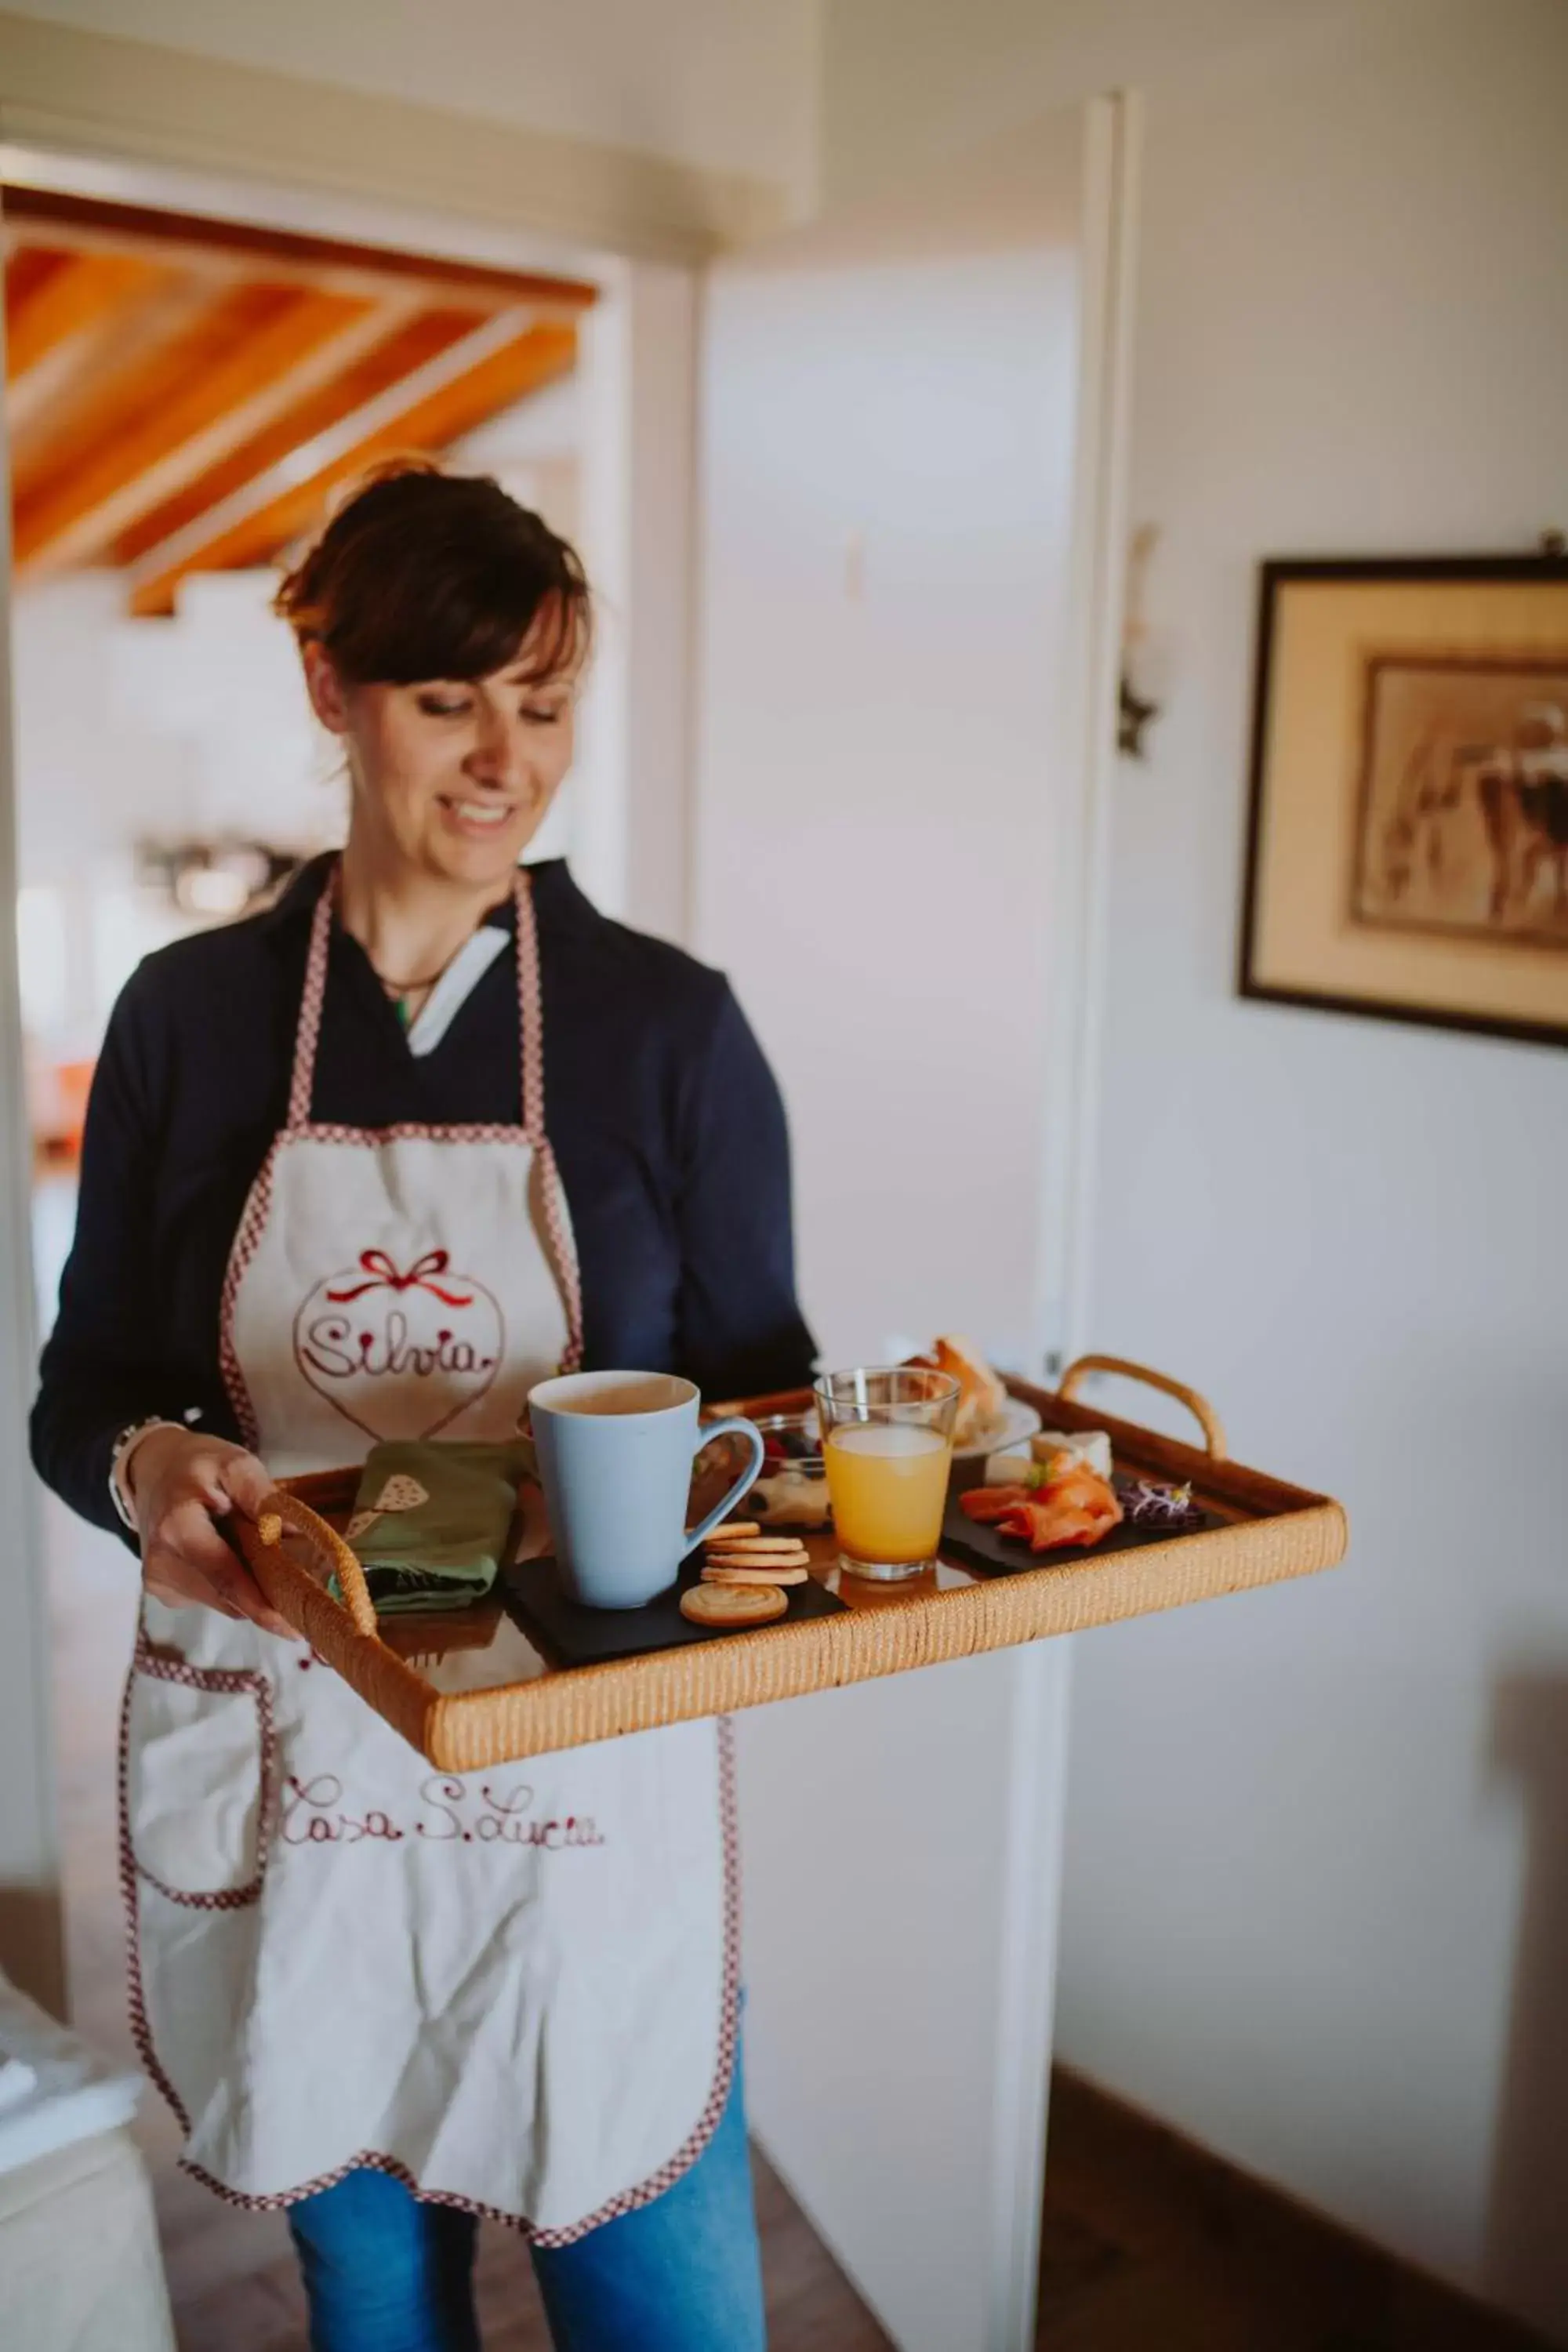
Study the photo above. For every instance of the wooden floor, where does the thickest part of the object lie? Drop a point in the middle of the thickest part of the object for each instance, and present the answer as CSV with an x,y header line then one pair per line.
x,y
1147,2245
1151,2245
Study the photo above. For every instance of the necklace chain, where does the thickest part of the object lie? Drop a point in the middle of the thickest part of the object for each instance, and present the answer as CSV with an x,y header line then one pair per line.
x,y
411,987
399,991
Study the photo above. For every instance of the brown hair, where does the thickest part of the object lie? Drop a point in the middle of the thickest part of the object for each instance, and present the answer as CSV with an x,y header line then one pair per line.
x,y
422,574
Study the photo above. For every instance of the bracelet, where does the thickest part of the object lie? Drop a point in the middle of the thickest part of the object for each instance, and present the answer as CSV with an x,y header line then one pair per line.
x,y
125,1445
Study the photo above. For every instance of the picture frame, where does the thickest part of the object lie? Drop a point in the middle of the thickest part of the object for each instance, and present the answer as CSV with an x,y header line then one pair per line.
x,y
1407,824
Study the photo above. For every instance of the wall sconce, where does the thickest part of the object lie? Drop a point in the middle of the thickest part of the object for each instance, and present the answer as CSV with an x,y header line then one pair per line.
x,y
1141,696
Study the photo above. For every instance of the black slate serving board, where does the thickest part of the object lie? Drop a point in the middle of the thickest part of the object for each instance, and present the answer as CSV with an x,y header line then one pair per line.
x,y
983,1546
571,1635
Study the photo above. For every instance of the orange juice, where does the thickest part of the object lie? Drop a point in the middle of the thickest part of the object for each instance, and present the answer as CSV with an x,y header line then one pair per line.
x,y
888,1480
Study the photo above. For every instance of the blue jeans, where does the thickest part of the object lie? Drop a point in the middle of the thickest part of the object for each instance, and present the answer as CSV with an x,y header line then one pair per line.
x,y
386,2274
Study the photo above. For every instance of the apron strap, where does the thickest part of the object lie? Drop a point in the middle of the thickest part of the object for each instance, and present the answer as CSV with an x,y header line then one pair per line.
x,y
309,1027
530,1009
531,1029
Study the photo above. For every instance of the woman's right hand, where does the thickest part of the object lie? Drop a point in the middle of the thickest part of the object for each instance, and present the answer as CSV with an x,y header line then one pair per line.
x,y
180,1485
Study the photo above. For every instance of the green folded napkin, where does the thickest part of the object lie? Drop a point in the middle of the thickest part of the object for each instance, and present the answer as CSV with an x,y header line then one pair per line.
x,y
431,1517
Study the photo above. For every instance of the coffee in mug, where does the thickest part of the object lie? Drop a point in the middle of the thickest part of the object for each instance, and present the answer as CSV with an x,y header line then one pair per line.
x,y
614,1453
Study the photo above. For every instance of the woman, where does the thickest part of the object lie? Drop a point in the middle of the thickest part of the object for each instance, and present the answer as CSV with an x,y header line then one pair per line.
x,y
425,1066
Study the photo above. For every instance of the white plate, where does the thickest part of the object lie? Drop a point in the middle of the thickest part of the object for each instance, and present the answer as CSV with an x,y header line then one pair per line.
x,y
1016,1424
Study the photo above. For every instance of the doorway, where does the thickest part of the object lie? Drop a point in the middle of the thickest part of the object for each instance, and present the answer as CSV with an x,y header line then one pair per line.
x,y
189,380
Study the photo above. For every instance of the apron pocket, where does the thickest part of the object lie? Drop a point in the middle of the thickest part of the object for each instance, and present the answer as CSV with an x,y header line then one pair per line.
x,y
198,1767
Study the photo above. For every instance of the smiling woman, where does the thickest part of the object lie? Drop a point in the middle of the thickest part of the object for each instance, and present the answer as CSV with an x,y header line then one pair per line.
x,y
307,1225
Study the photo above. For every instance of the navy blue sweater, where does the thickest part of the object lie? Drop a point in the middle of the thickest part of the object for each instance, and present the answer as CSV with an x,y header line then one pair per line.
x,y
666,1122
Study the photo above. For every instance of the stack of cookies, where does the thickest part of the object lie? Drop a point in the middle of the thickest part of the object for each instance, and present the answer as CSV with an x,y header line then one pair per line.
x,y
743,1576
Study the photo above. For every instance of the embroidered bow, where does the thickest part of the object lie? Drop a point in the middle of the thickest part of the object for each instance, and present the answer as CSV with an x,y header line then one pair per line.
x,y
382,1271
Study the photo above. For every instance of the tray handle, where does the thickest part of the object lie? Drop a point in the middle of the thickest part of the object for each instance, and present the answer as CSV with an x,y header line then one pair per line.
x,y
1199,1407
279,1511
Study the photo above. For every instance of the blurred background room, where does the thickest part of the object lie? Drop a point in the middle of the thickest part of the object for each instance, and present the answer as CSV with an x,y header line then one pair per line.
x,y
927,384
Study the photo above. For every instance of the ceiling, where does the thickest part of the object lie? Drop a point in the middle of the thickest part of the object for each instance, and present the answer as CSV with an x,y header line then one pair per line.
x,y
182,393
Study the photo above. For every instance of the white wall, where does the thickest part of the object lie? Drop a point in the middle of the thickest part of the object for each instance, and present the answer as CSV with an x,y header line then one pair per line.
x,y
728,85
1317,1895
889,439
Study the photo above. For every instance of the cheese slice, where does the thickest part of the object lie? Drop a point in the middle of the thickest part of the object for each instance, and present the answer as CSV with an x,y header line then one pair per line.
x,y
1090,1446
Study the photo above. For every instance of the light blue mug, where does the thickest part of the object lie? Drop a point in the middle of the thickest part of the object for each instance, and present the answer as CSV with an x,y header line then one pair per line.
x,y
614,1453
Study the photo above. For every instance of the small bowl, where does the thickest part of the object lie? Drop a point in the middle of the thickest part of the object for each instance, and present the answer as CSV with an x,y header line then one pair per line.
x,y
792,1438
793,1488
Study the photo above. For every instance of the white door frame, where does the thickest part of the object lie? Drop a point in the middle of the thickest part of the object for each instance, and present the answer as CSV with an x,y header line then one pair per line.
x,y
1070,1094
1070,1109
32,1944
639,363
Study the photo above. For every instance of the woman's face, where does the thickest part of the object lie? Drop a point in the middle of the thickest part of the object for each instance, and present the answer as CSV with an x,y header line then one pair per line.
x,y
451,778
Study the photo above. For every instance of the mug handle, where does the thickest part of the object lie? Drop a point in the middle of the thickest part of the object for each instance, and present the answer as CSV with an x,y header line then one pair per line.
x,y
734,1427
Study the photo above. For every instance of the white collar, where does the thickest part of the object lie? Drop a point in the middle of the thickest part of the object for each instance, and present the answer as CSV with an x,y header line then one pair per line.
x,y
456,985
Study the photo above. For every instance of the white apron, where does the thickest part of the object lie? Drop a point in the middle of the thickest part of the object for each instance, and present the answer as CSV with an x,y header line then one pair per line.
x,y
515,1990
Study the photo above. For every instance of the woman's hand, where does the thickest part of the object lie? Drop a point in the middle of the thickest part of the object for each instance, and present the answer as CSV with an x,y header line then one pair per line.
x,y
180,1486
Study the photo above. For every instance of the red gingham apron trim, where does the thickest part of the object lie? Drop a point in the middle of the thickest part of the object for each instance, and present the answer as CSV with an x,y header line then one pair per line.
x,y
257,1208
529,1008
562,1254
627,2200
307,1035
236,1683
530,1029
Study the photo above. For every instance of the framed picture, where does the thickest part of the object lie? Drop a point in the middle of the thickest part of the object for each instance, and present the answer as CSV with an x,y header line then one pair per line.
x,y
1407,845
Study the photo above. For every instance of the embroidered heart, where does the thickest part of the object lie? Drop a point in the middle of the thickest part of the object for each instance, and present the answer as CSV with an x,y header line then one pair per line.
x,y
399,1351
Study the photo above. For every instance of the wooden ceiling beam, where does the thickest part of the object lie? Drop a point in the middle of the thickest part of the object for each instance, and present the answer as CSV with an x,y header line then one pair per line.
x,y
45,412
231,250
398,355
82,515
236,344
73,298
503,360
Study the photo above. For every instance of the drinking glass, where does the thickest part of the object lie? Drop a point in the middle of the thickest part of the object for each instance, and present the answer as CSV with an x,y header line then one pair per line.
x,y
886,1447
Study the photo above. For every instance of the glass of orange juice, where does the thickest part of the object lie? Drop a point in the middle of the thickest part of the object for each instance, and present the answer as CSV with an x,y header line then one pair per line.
x,y
886,1447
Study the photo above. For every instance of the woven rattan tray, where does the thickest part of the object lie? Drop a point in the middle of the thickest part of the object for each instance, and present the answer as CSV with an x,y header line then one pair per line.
x,y
470,1690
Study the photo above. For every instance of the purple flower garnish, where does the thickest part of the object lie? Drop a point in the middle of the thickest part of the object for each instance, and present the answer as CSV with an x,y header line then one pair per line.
x,y
1150,1503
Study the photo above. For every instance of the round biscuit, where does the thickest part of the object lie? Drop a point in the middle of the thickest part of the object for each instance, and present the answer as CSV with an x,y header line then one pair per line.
x,y
735,1605
750,1559
734,1527
761,1551
785,1573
